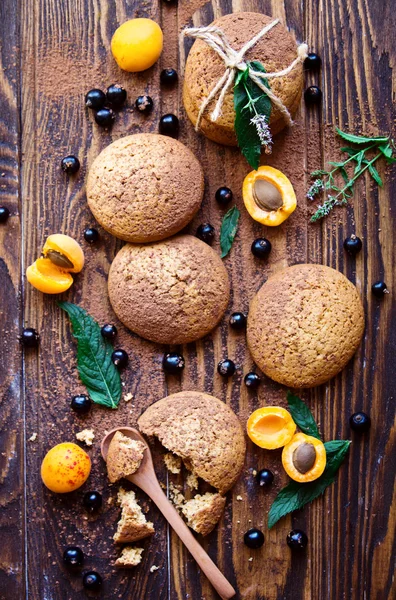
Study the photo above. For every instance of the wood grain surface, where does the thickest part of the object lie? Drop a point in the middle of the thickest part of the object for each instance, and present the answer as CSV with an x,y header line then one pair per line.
x,y
52,52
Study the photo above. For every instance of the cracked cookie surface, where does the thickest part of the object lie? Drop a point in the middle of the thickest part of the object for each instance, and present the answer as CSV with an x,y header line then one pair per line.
x,y
304,325
145,187
170,292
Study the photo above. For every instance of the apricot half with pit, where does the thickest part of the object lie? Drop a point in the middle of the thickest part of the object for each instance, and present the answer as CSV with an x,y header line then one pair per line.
x,y
304,458
271,427
61,255
269,196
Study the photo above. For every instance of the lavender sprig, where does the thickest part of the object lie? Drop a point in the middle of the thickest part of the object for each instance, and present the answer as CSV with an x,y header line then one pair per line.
x,y
326,180
263,131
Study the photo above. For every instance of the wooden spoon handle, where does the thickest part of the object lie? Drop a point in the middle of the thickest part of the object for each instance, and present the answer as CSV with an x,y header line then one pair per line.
x,y
215,576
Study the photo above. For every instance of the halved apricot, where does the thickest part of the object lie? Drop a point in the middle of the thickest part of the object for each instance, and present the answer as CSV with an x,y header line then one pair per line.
x,y
304,458
269,196
47,277
271,427
64,252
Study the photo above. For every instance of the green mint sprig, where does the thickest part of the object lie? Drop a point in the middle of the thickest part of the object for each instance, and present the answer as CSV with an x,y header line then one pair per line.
x,y
339,182
252,114
296,495
95,367
228,230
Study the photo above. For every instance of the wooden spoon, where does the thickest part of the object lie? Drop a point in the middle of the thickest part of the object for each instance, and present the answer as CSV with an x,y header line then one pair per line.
x,y
146,479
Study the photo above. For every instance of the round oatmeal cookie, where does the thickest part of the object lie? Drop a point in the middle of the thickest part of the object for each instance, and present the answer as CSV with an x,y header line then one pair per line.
x,y
145,187
203,431
276,51
304,325
170,292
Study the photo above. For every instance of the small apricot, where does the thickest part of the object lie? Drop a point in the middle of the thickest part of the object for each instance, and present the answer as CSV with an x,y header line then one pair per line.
x,y
268,196
271,427
65,468
137,44
304,458
61,255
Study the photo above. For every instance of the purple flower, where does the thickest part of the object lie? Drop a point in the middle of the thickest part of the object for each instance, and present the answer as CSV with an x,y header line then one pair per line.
x,y
264,132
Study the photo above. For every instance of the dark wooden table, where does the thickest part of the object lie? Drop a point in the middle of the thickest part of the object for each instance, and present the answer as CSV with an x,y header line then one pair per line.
x,y
51,53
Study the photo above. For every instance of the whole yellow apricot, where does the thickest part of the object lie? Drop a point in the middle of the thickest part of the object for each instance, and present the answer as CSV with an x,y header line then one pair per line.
x,y
137,44
65,468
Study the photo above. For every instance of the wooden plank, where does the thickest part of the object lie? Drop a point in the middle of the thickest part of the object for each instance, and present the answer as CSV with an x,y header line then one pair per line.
x,y
66,53
12,560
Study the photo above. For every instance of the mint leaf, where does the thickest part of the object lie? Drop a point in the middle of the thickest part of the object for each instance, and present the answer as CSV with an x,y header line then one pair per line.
x,y
228,230
296,495
375,175
250,100
302,416
94,364
357,139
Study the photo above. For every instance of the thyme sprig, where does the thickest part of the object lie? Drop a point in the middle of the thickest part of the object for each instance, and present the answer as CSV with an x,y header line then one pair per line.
x,y
339,181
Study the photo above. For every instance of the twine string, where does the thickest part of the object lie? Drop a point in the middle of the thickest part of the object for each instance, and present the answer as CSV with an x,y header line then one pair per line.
x,y
234,61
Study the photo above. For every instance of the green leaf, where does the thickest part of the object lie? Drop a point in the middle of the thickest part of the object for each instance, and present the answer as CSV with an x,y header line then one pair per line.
x,y
228,230
386,150
250,100
94,364
375,175
344,174
302,416
350,151
357,139
296,495
359,158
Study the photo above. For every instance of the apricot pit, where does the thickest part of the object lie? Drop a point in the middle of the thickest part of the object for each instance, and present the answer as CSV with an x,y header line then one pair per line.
x,y
304,458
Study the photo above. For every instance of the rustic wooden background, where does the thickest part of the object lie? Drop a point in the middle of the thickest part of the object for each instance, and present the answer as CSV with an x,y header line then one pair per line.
x,y
51,53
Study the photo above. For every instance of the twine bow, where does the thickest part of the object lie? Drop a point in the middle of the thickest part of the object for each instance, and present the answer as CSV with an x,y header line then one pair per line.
x,y
234,61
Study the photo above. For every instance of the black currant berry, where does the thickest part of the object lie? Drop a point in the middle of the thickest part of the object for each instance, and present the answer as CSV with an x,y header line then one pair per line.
x,y
254,538
30,337
91,235
313,95
81,404
95,99
252,381
360,422
173,363
4,214
379,289
261,248
313,62
206,233
169,77
238,321
265,477
109,331
70,164
116,95
73,557
92,501
120,358
92,581
169,125
353,245
297,539
223,196
226,368
105,117
144,104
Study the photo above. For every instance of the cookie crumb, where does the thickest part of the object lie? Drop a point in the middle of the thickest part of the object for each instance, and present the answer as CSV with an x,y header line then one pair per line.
x,y
251,559
254,472
192,481
86,435
153,568
130,557
33,437
128,397
172,463
176,496
239,498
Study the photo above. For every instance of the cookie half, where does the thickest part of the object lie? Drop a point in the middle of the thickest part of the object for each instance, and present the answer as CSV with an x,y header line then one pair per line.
x,y
203,431
170,292
145,187
304,325
276,51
